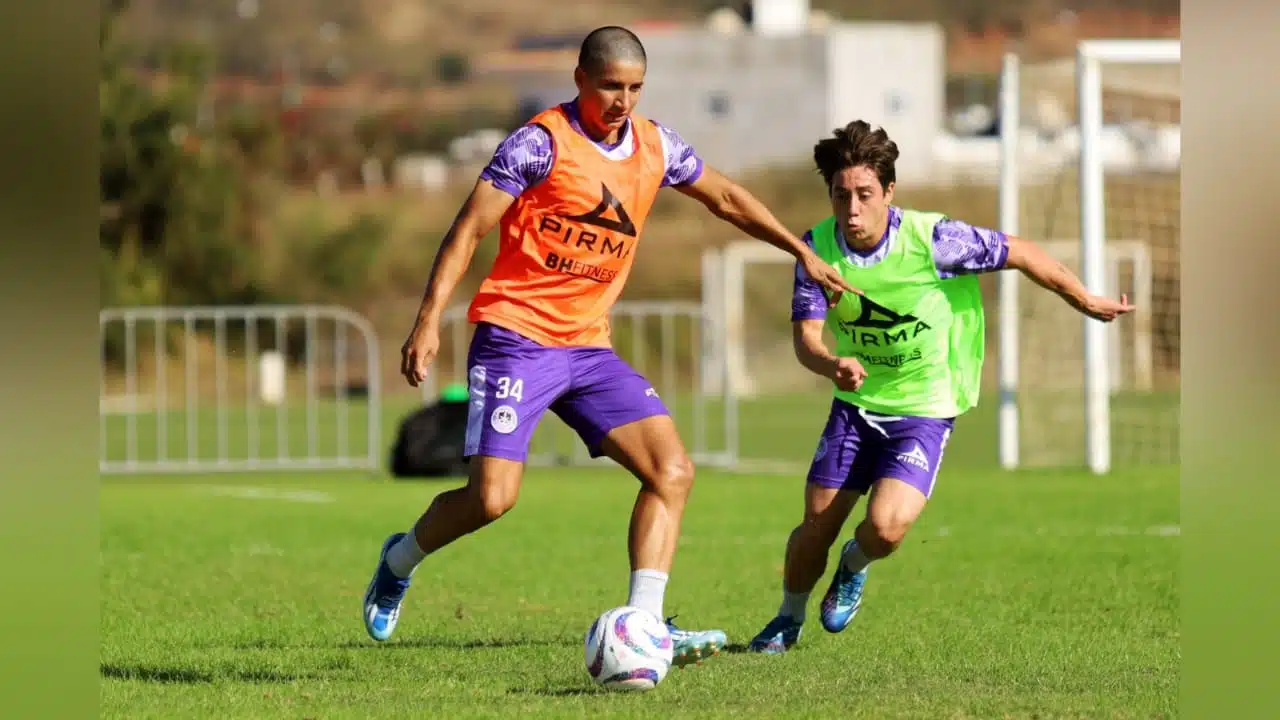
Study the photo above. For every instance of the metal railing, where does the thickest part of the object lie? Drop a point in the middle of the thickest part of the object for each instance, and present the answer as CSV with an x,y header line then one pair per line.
x,y
207,389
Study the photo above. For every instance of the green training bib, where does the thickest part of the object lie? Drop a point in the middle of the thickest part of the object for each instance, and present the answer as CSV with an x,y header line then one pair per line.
x,y
919,336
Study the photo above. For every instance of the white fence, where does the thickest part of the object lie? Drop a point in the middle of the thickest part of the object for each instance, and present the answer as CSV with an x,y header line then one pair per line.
x,y
207,389
261,388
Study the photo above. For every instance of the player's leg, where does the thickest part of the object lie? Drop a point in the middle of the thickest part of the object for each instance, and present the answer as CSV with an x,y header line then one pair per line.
x,y
511,382
618,414
805,561
905,462
652,450
809,544
830,495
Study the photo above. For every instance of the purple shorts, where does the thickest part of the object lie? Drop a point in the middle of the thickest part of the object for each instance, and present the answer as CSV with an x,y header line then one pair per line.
x,y
858,447
513,381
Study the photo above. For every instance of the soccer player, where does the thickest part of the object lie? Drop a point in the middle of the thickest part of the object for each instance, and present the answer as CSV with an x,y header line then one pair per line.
x,y
908,360
570,192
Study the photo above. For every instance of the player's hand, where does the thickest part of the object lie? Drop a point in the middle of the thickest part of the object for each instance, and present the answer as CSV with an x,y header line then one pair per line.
x,y
418,352
828,277
849,374
1105,309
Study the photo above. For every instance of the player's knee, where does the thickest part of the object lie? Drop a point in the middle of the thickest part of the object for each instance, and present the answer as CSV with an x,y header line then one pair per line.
x,y
891,514
888,531
493,490
673,477
491,502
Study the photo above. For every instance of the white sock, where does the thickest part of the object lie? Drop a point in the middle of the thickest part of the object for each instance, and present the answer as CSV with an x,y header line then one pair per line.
x,y
853,559
647,590
403,557
793,605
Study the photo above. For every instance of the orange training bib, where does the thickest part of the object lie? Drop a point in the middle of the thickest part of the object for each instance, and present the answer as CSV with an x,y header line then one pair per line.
x,y
567,244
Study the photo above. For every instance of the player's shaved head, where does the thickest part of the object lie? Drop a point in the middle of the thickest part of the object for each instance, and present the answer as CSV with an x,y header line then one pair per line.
x,y
609,76
608,45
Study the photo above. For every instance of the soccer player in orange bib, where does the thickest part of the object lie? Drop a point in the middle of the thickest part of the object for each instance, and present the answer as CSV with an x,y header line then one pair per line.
x,y
570,192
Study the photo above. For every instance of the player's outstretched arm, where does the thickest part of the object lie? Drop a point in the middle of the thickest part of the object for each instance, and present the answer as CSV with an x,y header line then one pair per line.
x,y
479,214
1031,260
734,204
806,336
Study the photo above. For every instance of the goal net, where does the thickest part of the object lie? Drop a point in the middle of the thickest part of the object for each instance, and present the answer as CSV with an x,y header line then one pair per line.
x,y
1053,412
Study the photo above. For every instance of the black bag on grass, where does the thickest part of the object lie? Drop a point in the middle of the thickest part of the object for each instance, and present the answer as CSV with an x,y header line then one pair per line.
x,y
431,441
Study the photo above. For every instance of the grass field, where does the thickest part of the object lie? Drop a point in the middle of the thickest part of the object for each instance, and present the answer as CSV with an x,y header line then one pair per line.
x,y
1028,595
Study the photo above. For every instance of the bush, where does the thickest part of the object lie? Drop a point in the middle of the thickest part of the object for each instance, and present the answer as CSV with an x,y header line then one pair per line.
x,y
342,264
452,69
321,261
183,207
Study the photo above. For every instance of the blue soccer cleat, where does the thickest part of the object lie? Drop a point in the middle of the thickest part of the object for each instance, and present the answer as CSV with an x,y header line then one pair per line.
x,y
691,647
777,637
382,599
844,596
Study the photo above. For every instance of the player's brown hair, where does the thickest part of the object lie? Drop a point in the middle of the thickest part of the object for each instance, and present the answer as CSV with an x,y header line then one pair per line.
x,y
853,145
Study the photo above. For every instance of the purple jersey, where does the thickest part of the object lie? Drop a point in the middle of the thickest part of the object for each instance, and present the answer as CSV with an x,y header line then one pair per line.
x,y
958,249
525,157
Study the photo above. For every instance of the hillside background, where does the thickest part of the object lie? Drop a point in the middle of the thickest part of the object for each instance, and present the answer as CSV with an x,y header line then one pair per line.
x,y
238,137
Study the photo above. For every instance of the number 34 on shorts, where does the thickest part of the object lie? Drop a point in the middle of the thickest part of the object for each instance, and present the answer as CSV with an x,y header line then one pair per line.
x,y
509,388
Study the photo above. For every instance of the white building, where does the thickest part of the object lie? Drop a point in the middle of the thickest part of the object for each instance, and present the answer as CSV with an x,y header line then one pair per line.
x,y
764,95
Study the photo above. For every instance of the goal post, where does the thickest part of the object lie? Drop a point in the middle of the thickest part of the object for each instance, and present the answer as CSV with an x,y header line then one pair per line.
x,y
775,407
1120,157
1010,113
1091,56
724,295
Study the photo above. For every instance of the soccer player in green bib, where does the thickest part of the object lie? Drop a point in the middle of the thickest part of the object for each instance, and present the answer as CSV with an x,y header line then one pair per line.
x,y
907,362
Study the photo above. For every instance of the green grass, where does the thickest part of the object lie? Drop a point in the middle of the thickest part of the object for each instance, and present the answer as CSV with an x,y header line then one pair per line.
x,y
1017,595
1031,594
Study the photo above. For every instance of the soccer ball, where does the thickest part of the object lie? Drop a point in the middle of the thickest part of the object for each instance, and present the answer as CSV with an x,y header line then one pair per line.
x,y
628,649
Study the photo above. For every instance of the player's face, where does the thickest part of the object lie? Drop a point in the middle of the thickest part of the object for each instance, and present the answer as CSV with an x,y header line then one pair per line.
x,y
860,204
606,99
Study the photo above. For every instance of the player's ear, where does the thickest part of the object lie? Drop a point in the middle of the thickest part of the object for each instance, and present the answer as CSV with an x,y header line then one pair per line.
x,y
580,78
888,193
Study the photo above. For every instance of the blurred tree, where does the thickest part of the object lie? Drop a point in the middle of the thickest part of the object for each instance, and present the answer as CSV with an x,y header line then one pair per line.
x,y
453,68
179,207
